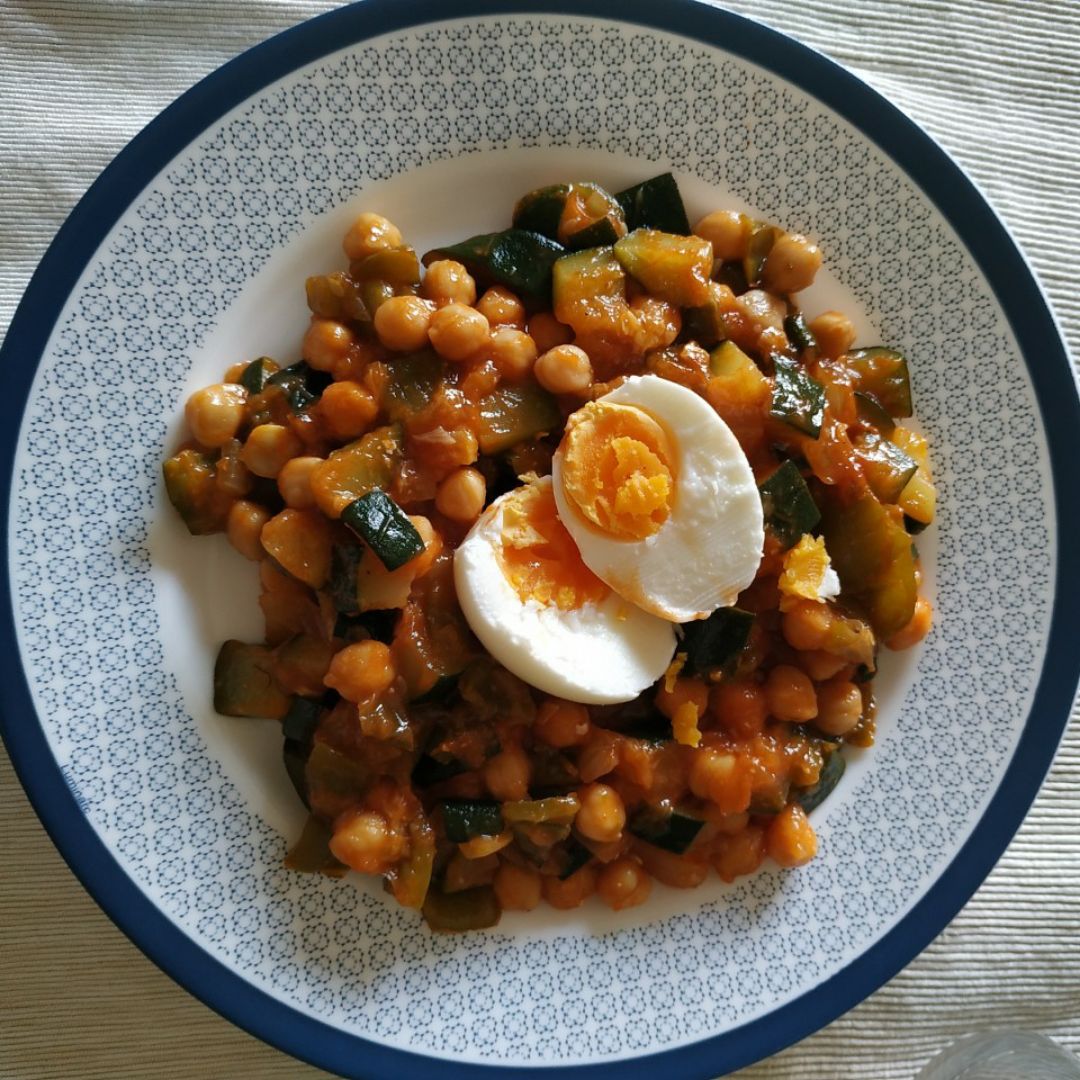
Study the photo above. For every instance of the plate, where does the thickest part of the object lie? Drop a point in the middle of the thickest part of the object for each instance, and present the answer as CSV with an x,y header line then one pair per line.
x,y
187,255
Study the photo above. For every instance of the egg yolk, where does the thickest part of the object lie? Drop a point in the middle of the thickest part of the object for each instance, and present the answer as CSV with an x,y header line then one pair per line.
x,y
618,469
538,556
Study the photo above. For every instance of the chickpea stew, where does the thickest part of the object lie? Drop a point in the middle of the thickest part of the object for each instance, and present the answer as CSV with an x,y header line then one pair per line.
x,y
577,545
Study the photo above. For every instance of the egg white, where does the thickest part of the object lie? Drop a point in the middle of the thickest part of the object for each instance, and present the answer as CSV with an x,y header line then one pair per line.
x,y
710,547
599,654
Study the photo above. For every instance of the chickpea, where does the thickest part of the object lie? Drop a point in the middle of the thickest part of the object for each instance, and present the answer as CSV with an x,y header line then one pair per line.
x,y
513,353
294,482
517,888
548,332
566,369
721,777
623,883
806,625
402,322
347,409
728,231
215,413
790,838
791,264
561,723
820,665
738,854
370,233
362,670
740,707
235,372
501,307
364,841
602,814
461,495
267,449
458,332
789,694
685,689
326,343
244,528
916,629
840,707
507,774
448,282
572,892
834,332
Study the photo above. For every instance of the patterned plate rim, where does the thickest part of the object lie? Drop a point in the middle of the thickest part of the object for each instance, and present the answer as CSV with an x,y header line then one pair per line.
x,y
937,176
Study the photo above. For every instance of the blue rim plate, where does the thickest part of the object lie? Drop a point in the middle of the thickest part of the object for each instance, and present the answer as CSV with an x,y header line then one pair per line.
x,y
926,165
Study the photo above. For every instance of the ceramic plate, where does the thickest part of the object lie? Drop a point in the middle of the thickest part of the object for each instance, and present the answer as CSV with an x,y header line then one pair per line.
x,y
189,254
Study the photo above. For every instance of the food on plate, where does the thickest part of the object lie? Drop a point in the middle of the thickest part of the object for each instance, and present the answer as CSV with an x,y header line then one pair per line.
x,y
577,545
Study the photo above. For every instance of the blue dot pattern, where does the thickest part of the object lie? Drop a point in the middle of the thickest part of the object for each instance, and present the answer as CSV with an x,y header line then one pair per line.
x,y
93,645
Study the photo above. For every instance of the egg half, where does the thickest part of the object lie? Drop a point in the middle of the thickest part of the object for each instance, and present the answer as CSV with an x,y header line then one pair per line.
x,y
544,615
660,500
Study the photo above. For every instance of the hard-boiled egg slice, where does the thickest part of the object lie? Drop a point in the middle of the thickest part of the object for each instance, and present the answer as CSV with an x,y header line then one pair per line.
x,y
544,615
660,499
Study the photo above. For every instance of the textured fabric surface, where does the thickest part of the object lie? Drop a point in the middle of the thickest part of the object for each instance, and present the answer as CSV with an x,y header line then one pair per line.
x,y
994,80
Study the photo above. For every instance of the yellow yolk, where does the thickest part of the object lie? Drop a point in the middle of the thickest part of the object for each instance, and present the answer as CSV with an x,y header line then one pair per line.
x,y
617,469
538,557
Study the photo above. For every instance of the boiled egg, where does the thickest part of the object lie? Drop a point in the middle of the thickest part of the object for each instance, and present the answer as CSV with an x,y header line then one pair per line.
x,y
544,615
660,499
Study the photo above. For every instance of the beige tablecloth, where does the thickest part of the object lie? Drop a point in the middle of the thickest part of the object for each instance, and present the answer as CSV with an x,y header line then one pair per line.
x,y
996,81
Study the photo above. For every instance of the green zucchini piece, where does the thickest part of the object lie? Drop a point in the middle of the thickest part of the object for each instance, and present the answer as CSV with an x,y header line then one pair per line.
x,y
414,378
675,268
379,625
295,754
465,819
600,233
655,204
812,797
798,333
769,803
244,683
870,412
257,374
871,552
704,324
575,855
341,588
913,525
301,384
798,400
470,909
886,467
396,266
519,259
716,641
674,831
540,211
311,853
731,274
385,527
589,290
300,722
191,484
762,238
430,770
555,810
788,506
327,769
511,414
884,373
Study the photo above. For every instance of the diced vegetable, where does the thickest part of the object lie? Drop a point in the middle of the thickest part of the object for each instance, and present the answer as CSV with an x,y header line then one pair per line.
x,y
789,508
731,274
191,484
378,624
589,293
674,831
798,333
655,204
389,533
919,499
311,853
602,233
716,641
762,238
519,259
798,400
831,772
556,810
244,683
414,378
294,755
333,780
355,469
397,266
540,211
464,819
884,373
511,414
575,855
670,266
470,909
302,719
577,215
871,552
257,374
300,541
301,663
870,411
885,466
344,559
705,323
430,770
410,880
301,384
